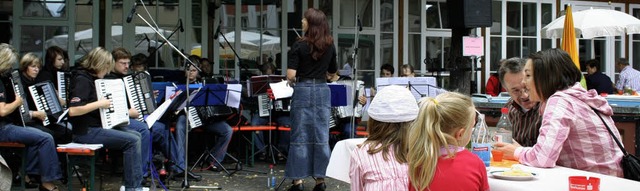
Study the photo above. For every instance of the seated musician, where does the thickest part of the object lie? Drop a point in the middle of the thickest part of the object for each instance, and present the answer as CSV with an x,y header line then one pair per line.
x,y
30,66
221,129
341,115
280,117
84,114
40,145
160,134
54,61
122,58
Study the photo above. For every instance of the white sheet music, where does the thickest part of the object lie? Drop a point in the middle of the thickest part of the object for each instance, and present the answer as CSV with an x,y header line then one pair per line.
x,y
281,90
420,86
155,116
233,99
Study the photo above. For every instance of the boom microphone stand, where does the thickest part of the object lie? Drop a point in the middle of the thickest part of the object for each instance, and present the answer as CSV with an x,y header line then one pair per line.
x,y
354,84
188,63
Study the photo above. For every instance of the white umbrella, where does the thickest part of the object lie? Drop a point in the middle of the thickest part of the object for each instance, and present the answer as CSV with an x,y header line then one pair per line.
x,y
252,40
84,38
595,23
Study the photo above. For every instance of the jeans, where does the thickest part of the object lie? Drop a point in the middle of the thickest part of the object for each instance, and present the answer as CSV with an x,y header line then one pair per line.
x,y
309,148
283,142
61,135
221,129
119,140
40,144
141,130
163,138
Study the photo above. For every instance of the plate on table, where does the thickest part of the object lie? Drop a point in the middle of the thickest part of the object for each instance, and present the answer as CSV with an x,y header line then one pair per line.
x,y
513,175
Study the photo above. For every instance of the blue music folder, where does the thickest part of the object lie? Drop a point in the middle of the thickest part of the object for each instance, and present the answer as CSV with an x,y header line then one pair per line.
x,y
161,87
338,95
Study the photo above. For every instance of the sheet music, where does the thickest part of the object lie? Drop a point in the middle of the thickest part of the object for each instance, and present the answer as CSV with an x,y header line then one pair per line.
x,y
420,86
233,99
281,90
80,146
156,114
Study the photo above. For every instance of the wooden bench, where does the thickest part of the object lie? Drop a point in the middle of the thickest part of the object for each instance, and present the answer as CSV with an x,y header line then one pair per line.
x,y
75,155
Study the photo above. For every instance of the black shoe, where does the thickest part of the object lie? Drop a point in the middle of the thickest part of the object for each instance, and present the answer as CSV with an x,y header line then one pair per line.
x,y
296,187
190,176
320,187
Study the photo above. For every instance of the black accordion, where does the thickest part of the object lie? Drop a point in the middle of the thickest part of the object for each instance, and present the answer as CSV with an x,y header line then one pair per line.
x,y
140,93
46,100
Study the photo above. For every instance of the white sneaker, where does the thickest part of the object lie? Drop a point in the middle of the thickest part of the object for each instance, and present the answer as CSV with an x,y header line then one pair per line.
x,y
138,189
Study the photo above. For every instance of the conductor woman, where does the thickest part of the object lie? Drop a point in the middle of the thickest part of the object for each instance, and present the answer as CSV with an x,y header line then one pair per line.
x,y
310,59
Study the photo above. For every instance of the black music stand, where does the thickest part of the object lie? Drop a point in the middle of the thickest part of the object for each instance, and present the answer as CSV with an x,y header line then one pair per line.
x,y
213,95
259,85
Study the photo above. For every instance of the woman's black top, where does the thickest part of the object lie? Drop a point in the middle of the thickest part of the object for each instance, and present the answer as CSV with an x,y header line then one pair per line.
x,y
300,60
83,91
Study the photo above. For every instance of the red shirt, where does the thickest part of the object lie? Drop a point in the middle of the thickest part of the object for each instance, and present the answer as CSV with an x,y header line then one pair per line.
x,y
464,172
493,86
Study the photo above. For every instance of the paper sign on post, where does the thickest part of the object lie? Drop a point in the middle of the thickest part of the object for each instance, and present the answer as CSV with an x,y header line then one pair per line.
x,y
472,46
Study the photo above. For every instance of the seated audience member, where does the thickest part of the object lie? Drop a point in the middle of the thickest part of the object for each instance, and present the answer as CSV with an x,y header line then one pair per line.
x,y
571,135
436,140
523,113
87,124
380,163
494,85
596,79
628,76
407,71
41,148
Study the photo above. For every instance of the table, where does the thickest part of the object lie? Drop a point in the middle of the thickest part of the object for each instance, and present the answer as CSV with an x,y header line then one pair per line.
x,y
556,178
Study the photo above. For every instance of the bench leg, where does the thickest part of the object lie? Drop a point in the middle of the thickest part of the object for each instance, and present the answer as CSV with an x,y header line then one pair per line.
x,y
23,168
93,173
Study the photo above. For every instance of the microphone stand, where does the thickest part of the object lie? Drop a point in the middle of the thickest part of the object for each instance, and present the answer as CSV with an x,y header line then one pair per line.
x,y
355,78
242,66
162,44
188,63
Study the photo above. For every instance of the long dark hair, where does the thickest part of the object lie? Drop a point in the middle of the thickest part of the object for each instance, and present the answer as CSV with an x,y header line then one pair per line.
x,y
50,58
559,72
317,35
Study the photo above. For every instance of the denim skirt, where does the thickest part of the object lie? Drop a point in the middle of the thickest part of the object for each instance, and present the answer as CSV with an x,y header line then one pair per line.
x,y
309,149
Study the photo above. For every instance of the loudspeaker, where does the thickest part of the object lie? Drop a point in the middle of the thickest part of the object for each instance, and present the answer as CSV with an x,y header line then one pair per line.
x,y
469,13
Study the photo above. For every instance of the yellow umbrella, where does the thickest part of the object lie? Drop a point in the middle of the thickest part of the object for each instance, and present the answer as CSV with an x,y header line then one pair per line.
x,y
569,41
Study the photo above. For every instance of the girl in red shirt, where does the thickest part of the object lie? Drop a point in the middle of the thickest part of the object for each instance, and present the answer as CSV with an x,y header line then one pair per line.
x,y
437,157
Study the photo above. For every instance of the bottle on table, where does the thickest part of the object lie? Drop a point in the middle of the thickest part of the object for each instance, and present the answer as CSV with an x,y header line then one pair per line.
x,y
504,128
271,179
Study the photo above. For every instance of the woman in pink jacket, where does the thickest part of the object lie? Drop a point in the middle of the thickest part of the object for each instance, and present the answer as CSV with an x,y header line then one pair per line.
x,y
572,135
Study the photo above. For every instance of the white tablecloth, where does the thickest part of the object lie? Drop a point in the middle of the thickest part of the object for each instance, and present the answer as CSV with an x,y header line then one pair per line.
x,y
556,178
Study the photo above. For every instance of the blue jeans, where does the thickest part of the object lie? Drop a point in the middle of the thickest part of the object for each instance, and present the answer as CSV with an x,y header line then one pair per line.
x,y
283,142
40,145
119,140
309,148
163,138
221,129
141,130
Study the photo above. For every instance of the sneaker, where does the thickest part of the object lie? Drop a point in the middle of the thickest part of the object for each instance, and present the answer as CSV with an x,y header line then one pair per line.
x,y
137,189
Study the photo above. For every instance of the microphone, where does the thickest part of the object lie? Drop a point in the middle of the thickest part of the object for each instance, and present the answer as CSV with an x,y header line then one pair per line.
x,y
133,12
181,28
359,24
215,36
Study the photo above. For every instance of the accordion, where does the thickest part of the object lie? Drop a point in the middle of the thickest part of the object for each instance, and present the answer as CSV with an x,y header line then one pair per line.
x,y
46,100
17,88
118,113
63,83
140,93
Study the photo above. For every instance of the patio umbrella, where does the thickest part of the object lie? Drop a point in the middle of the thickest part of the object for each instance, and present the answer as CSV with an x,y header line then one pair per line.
x,y
569,42
594,23
252,40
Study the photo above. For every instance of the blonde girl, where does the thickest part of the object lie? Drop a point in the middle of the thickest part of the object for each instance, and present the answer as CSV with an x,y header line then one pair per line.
x,y
436,141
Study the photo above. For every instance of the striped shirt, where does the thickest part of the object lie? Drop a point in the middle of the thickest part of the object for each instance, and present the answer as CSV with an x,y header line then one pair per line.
x,y
629,77
372,172
526,125
573,136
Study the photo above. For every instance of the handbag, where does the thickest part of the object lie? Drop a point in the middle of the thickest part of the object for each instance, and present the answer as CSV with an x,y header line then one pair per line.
x,y
630,163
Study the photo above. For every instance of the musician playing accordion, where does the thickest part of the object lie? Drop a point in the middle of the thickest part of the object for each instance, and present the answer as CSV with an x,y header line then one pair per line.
x,y
159,134
340,119
84,114
220,129
41,149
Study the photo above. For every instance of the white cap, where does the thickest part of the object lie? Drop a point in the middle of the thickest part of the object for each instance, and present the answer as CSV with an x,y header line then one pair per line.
x,y
393,104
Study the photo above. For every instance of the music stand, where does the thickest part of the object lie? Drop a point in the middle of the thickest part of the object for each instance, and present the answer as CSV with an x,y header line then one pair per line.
x,y
213,95
259,85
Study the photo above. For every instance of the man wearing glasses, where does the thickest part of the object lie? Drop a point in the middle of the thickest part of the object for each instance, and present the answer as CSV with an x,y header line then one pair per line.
x,y
523,113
